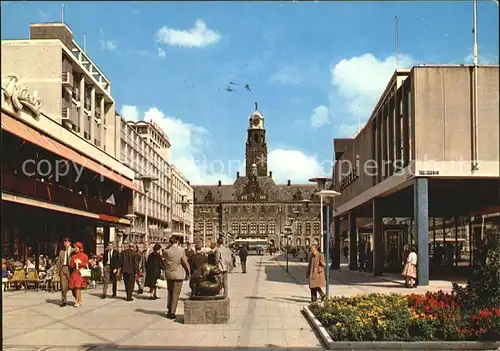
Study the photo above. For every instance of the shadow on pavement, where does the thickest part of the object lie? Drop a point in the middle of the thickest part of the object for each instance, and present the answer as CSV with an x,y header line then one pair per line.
x,y
291,299
151,312
191,348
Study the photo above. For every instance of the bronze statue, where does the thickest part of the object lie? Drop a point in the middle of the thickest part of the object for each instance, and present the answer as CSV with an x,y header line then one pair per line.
x,y
206,281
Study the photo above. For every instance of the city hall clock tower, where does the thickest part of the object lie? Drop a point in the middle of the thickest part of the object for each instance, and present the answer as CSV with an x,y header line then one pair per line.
x,y
256,147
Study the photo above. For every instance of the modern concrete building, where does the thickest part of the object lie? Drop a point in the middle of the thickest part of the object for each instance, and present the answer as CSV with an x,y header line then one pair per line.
x,y
182,205
143,148
254,210
55,183
76,94
424,170
154,136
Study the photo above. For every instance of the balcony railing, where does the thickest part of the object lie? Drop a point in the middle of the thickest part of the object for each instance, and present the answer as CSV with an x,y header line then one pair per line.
x,y
55,193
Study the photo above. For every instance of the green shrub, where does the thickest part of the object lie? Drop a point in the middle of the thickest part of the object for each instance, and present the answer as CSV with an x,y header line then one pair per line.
x,y
483,285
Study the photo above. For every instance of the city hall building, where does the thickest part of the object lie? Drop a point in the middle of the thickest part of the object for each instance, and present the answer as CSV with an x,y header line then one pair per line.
x,y
61,173
423,170
254,209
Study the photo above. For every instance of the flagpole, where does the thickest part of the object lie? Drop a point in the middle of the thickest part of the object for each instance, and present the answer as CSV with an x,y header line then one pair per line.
x,y
62,13
397,40
475,93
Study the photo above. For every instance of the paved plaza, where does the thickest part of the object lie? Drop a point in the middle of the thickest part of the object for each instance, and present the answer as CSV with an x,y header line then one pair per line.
x,y
265,315
347,283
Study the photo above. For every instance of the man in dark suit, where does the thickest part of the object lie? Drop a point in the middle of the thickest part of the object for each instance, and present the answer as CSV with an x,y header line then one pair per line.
x,y
111,264
129,267
243,259
198,259
63,261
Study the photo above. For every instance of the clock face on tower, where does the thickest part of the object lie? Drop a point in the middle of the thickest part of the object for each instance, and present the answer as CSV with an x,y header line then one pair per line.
x,y
255,121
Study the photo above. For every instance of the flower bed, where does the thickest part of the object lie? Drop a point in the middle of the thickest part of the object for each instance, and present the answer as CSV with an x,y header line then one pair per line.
x,y
429,317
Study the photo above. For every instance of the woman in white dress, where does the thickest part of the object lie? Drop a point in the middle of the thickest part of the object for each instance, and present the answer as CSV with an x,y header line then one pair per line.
x,y
410,269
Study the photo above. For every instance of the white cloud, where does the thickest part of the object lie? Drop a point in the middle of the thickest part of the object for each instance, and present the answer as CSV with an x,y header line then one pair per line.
x,y
109,45
484,59
161,53
288,75
296,166
320,116
130,113
359,82
188,143
197,37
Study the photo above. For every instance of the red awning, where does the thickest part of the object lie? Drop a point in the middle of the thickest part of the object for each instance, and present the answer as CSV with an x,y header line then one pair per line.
x,y
33,136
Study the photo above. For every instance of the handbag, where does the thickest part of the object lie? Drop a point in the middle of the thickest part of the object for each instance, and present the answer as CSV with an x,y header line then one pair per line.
x,y
85,272
160,283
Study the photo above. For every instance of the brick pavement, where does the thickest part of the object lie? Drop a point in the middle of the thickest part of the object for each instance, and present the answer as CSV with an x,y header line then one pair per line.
x,y
265,315
343,282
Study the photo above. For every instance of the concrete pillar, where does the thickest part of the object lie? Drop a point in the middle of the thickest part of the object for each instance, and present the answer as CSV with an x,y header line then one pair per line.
x,y
103,128
353,242
336,248
92,115
81,116
378,239
421,215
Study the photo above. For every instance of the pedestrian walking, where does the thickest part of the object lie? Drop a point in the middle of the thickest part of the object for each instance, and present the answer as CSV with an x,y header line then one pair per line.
x,y
316,274
141,276
243,258
64,269
79,262
410,268
198,259
129,267
111,264
176,271
212,255
154,266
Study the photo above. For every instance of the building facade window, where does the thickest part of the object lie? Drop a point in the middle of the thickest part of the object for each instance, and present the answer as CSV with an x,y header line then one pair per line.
x,y
298,228
253,228
271,227
262,228
243,228
235,227
210,228
308,228
316,227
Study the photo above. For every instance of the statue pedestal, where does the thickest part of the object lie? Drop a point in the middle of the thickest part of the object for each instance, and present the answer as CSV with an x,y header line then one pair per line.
x,y
207,311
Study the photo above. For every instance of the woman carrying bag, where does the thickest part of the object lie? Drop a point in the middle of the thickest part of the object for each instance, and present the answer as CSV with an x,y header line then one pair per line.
x,y
78,281
154,266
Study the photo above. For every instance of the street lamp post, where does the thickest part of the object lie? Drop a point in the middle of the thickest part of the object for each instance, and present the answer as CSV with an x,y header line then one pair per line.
x,y
293,221
327,194
146,183
280,210
131,217
185,205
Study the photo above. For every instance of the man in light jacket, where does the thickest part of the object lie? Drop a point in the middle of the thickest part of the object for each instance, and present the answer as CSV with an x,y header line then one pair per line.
x,y
224,262
176,271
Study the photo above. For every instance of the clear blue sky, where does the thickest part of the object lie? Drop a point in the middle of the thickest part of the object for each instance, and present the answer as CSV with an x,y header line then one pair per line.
x,y
304,62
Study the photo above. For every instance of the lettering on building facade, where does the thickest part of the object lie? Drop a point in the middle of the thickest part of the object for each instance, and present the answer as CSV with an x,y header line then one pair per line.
x,y
19,97
348,179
